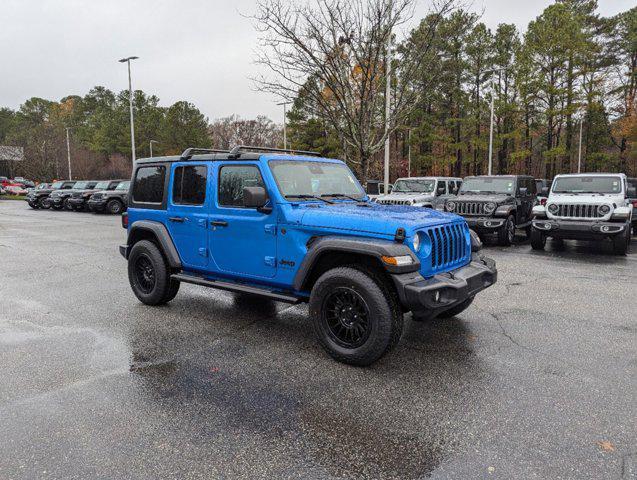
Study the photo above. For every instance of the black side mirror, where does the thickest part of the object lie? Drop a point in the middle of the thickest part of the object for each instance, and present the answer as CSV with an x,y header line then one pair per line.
x,y
631,192
254,197
524,191
545,191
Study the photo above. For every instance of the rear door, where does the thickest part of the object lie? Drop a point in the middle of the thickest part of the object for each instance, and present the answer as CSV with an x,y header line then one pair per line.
x,y
187,219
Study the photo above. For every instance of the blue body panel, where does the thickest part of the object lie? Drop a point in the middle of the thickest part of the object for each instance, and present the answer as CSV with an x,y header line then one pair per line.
x,y
268,248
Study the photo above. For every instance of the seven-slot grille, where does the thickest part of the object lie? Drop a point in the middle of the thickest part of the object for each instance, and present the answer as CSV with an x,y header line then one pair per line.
x,y
448,245
469,208
97,196
76,194
393,202
577,210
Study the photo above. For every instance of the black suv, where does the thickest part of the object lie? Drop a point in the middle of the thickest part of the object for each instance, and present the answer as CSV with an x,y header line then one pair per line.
x,y
39,197
496,204
112,201
79,198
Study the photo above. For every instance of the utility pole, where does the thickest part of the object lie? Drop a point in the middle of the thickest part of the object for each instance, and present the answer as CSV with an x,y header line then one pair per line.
x,y
579,155
387,110
492,117
130,104
285,124
409,153
151,147
68,152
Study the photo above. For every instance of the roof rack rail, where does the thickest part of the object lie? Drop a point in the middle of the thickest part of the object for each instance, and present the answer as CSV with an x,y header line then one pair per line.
x,y
189,152
236,151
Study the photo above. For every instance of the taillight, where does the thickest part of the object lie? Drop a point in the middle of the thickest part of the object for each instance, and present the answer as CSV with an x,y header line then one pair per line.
x,y
543,201
635,203
125,220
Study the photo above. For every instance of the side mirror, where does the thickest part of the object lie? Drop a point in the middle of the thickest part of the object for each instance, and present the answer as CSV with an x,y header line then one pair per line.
x,y
524,191
254,197
631,192
545,191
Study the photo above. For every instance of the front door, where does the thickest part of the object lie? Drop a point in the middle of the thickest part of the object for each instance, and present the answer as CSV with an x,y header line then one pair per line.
x,y
243,240
187,219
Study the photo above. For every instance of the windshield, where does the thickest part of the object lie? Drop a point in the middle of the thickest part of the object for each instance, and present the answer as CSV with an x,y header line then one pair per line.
x,y
488,185
80,186
601,184
123,186
315,179
102,186
57,185
420,186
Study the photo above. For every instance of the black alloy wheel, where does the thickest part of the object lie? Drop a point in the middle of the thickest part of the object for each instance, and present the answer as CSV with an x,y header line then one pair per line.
x,y
145,274
346,317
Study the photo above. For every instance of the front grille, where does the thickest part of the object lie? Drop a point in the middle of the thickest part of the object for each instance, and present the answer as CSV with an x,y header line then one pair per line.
x,y
393,202
470,208
76,195
577,210
449,245
97,196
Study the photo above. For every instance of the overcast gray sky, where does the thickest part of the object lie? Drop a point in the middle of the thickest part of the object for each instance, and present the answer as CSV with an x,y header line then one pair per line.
x,y
195,50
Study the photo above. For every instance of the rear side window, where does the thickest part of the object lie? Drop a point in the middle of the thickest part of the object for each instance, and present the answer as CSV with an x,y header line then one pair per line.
x,y
441,185
233,179
149,184
189,185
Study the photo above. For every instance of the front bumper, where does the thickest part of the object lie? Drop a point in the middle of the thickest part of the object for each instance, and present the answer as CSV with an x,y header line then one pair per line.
x,y
573,230
96,205
76,202
432,296
485,224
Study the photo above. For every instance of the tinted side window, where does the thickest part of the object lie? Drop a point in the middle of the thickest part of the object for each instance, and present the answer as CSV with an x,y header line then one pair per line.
x,y
189,185
232,180
149,184
441,184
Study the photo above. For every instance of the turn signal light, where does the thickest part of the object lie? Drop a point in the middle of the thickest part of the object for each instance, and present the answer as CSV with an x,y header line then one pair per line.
x,y
398,261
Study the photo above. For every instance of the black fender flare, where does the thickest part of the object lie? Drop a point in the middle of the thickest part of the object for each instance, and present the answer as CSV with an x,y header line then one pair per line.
x,y
160,232
503,211
370,247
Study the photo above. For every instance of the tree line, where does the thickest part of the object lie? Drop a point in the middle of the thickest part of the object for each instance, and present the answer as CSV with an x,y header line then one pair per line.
x,y
572,71
99,133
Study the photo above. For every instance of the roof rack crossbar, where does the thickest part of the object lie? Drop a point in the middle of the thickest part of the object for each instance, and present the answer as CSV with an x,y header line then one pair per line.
x,y
236,151
189,152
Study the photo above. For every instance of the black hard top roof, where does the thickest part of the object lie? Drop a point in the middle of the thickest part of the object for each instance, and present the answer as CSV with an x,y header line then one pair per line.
x,y
240,152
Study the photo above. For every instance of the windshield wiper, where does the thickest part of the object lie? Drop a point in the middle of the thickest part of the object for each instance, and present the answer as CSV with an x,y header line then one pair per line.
x,y
304,196
340,195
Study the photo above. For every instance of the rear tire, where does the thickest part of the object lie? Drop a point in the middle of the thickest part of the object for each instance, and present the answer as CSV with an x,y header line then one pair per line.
x,y
458,309
621,242
538,240
149,275
356,317
506,233
114,207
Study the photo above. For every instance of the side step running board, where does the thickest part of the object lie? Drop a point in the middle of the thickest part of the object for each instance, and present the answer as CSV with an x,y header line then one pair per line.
x,y
235,287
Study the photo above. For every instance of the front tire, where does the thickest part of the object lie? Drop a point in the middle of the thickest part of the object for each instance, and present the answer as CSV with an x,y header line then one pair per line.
x,y
66,205
149,275
114,207
538,240
506,233
34,205
43,204
621,242
355,315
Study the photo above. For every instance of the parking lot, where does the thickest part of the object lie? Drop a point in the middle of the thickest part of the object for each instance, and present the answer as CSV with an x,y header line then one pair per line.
x,y
536,380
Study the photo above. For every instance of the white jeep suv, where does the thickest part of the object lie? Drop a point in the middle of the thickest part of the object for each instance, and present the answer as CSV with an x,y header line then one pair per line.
x,y
589,206
421,191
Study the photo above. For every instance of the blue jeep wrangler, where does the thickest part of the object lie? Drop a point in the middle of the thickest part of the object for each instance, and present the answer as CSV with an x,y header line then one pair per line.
x,y
292,227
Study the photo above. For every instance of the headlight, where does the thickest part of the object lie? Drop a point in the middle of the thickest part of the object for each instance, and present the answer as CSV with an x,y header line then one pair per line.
x,y
451,206
603,210
489,208
552,208
416,243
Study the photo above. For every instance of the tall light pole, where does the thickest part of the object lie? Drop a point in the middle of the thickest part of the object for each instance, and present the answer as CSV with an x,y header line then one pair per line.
x,y
387,110
409,153
68,151
151,147
579,153
130,103
492,116
285,124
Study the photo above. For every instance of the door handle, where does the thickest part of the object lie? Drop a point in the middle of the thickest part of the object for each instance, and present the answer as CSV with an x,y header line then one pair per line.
x,y
176,219
219,223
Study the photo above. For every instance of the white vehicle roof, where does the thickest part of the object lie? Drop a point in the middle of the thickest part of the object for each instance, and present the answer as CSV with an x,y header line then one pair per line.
x,y
429,178
590,174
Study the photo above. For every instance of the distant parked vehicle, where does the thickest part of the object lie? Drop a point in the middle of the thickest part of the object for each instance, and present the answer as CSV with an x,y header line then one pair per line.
x,y
60,199
542,187
79,198
111,201
39,197
421,191
374,188
15,189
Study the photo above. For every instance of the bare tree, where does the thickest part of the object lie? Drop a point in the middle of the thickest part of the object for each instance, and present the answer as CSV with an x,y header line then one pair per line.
x,y
230,131
334,51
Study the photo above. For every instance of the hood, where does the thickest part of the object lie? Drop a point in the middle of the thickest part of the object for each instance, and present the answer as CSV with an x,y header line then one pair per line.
x,y
371,217
590,198
498,198
413,197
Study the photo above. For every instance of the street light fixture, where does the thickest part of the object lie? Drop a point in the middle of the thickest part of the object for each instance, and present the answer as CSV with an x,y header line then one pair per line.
x,y
285,125
151,147
130,102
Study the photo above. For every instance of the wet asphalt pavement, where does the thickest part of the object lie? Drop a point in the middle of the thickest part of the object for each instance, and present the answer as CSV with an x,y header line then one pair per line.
x,y
538,379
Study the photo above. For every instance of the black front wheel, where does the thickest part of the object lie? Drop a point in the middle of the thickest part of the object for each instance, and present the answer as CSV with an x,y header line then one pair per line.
x,y
538,240
149,275
506,234
356,317
42,203
34,205
115,207
621,242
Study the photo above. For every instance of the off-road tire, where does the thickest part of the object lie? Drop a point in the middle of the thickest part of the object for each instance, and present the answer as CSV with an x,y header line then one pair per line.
x,y
527,231
621,242
635,230
42,203
66,205
114,207
458,309
384,315
538,239
173,290
34,205
145,256
506,233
